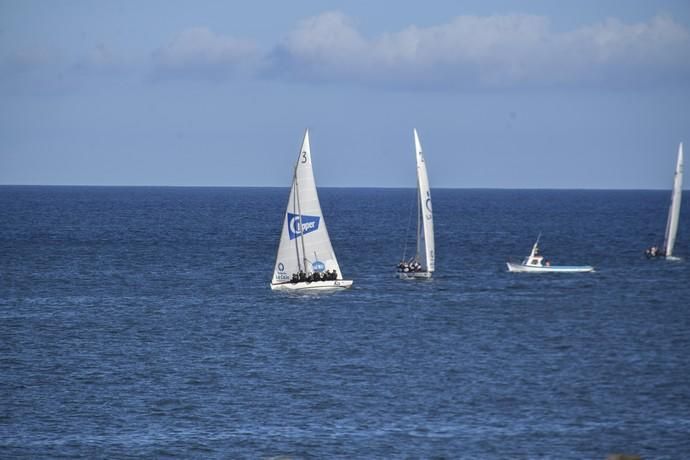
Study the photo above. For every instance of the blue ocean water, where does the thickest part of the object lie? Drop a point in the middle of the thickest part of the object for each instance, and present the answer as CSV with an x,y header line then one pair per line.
x,y
139,322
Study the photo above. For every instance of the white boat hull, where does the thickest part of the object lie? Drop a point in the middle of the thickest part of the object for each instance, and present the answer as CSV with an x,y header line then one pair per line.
x,y
333,285
662,257
414,275
520,268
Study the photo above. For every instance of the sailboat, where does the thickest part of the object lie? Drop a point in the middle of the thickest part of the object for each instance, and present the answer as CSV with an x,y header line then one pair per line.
x,y
535,263
423,263
305,259
673,213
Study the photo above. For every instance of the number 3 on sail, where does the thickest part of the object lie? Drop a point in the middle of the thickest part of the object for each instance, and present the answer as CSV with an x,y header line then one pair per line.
x,y
306,260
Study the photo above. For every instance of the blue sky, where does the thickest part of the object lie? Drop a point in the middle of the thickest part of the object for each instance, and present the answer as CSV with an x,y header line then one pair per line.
x,y
541,94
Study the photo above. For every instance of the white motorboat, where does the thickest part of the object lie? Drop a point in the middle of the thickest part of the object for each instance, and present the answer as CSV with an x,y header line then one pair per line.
x,y
305,259
423,263
535,263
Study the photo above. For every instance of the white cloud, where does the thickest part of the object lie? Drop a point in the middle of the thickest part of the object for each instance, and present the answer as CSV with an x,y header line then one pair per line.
x,y
199,52
102,60
471,52
489,51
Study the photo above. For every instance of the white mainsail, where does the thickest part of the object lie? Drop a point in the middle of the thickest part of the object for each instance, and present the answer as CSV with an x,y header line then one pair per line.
x,y
304,242
425,218
674,209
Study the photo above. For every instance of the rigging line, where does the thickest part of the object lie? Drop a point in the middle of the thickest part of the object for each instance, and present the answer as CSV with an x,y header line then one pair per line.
x,y
420,218
297,209
407,231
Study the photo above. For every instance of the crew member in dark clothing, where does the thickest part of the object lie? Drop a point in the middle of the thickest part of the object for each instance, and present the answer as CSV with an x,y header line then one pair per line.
x,y
654,251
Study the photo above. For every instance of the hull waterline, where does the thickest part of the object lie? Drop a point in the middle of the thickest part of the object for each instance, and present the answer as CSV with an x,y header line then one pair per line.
x,y
414,275
334,285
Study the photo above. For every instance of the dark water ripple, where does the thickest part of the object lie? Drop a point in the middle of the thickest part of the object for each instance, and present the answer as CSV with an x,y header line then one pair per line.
x,y
138,322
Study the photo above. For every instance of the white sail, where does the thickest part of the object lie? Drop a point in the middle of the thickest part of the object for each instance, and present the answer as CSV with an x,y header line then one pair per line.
x,y
304,242
425,218
674,209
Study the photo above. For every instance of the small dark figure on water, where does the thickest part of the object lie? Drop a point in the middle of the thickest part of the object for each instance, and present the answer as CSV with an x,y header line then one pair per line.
x,y
654,251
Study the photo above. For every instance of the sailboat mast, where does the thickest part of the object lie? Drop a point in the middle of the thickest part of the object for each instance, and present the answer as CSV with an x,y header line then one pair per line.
x,y
296,210
302,263
419,220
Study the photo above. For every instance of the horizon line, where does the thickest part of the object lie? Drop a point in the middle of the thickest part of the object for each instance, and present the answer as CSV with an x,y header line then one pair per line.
x,y
333,187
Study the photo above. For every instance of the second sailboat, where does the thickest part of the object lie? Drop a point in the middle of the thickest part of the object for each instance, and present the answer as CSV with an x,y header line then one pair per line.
x,y
422,264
